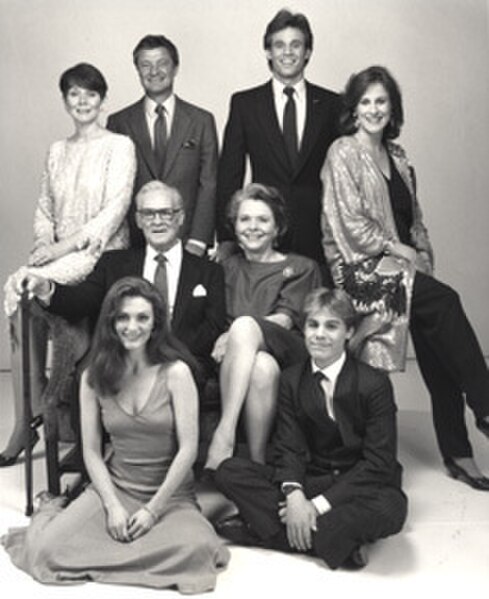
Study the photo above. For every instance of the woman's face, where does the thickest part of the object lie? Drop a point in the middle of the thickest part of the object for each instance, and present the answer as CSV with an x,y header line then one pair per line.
x,y
255,226
83,105
134,322
373,110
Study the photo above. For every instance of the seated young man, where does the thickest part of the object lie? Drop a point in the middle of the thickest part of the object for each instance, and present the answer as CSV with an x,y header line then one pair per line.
x,y
335,482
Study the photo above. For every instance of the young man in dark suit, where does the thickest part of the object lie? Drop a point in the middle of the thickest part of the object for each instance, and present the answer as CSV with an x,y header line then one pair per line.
x,y
176,142
194,286
285,138
334,483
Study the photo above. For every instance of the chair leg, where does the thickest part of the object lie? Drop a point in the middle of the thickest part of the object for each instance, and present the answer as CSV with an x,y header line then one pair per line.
x,y
52,455
26,397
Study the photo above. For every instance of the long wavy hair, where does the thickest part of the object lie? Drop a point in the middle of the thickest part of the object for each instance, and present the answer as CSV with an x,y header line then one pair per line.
x,y
107,359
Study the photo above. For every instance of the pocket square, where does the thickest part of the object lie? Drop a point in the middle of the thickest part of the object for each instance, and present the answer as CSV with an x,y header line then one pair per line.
x,y
199,291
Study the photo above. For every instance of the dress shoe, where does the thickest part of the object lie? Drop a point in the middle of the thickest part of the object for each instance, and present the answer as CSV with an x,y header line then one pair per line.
x,y
235,529
483,425
481,483
356,560
9,460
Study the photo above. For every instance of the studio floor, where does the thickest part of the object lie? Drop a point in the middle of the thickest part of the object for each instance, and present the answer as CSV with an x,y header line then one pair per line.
x,y
443,550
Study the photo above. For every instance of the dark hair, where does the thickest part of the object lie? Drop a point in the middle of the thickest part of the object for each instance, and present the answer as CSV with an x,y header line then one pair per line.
x,y
355,88
84,75
150,42
336,300
265,193
283,19
107,364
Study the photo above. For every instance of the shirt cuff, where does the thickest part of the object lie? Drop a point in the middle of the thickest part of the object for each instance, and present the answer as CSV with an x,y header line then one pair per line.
x,y
197,243
287,487
321,504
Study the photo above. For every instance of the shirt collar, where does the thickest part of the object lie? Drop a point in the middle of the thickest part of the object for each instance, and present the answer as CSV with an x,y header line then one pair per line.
x,y
333,370
173,255
150,105
299,87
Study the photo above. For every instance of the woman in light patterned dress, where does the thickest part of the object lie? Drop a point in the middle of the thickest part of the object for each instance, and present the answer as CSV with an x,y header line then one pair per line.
x,y
85,194
138,522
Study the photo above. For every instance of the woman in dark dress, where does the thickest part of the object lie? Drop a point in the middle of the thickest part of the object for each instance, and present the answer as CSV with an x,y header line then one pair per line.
x,y
378,250
265,290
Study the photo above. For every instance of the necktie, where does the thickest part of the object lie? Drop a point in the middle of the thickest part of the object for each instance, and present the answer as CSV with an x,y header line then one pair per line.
x,y
160,136
290,127
326,390
161,280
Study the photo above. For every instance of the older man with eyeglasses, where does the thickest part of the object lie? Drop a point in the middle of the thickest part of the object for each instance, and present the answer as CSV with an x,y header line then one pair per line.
x,y
192,286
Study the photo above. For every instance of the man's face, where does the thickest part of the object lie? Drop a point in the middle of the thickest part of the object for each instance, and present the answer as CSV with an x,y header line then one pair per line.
x,y
325,335
288,55
159,215
156,72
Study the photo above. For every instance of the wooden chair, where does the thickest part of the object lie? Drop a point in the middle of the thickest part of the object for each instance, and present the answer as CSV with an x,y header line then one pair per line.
x,y
69,344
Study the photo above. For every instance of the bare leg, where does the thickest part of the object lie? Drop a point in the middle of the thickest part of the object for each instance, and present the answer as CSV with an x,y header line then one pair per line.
x,y
38,350
245,339
260,405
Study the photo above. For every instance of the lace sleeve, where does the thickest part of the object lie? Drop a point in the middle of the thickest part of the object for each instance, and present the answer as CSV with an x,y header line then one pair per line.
x,y
44,225
118,184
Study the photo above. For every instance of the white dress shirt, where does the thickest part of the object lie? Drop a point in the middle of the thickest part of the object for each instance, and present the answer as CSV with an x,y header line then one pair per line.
x,y
151,116
280,100
331,373
174,258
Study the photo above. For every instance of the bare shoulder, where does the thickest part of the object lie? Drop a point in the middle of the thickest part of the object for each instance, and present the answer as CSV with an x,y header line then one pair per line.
x,y
178,372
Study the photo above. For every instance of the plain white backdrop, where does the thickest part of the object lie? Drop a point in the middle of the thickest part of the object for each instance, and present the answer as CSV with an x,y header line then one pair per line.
x,y
437,49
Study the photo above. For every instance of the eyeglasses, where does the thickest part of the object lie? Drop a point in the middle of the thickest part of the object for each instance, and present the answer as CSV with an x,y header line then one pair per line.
x,y
167,214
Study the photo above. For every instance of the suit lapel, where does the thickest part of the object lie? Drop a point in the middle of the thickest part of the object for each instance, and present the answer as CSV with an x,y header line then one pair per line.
x,y
185,285
345,393
179,130
312,128
267,115
312,399
141,137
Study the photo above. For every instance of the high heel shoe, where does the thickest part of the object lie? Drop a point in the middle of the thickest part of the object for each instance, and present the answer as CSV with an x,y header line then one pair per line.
x,y
483,425
9,460
481,483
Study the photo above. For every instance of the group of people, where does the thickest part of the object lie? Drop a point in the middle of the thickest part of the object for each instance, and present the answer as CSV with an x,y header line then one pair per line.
x,y
322,267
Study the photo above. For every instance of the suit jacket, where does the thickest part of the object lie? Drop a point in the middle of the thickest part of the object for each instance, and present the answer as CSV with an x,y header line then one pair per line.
x,y
365,414
190,164
253,130
197,321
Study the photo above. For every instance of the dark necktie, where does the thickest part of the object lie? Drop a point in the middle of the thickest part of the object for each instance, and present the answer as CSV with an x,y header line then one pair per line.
x,y
161,281
160,137
290,127
324,387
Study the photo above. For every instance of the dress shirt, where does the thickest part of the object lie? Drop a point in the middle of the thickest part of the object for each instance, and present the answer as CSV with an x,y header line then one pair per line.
x,y
331,372
151,116
174,258
280,100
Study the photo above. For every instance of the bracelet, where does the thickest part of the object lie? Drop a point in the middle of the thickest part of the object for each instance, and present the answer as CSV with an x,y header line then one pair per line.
x,y
150,512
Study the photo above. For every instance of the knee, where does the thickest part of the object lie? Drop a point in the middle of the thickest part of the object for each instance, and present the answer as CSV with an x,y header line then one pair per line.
x,y
265,370
229,473
244,330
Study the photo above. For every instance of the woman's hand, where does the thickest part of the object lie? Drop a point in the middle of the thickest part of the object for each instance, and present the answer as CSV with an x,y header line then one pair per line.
x,y
403,251
220,348
140,523
117,523
44,255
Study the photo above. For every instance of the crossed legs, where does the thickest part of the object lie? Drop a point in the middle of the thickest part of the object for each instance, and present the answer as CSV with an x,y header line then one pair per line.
x,y
249,381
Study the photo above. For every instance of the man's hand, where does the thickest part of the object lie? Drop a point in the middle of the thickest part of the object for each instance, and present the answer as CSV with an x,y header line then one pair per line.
x,y
299,516
35,286
223,251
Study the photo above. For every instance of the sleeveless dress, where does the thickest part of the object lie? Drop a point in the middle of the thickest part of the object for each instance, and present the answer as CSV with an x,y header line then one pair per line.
x,y
72,545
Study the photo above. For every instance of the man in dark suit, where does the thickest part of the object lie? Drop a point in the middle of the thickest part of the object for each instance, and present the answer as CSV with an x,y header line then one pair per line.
x,y
335,483
193,286
175,141
285,138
